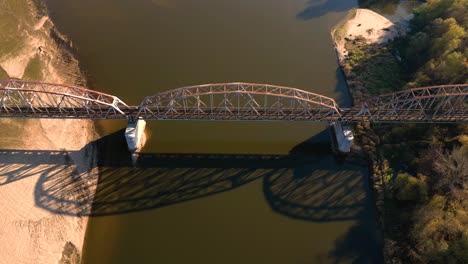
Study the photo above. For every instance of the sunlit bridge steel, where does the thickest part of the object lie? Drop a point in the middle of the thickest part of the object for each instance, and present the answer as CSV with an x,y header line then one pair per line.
x,y
45,100
239,101
435,104
233,102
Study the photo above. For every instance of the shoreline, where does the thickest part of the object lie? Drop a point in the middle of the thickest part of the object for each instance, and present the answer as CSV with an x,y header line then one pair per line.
x,y
43,236
30,233
369,28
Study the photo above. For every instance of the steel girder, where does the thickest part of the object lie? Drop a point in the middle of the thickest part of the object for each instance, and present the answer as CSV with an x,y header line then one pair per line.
x,y
233,101
30,99
238,101
437,104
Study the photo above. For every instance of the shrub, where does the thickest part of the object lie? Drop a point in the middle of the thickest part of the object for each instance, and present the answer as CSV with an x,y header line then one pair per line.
x,y
409,188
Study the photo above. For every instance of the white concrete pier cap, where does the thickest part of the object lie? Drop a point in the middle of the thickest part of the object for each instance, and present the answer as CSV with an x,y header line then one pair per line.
x,y
134,134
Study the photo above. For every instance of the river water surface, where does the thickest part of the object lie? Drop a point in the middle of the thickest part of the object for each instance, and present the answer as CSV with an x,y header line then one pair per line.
x,y
284,200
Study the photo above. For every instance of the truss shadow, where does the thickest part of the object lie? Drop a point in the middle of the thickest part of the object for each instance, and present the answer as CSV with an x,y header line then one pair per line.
x,y
298,185
316,195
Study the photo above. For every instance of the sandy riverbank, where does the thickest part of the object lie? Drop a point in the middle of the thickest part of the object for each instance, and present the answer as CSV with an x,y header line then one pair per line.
x,y
363,27
366,33
30,232
366,23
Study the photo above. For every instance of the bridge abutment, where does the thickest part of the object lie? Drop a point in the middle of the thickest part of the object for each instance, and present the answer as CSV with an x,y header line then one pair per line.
x,y
134,134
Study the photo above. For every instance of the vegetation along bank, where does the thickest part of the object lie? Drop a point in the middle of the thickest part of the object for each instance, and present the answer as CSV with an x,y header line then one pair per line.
x,y
419,171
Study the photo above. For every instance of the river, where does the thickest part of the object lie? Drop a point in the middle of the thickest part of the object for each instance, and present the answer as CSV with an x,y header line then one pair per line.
x,y
229,192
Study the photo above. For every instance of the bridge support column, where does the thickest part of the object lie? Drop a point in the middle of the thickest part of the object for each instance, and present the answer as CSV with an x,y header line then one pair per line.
x,y
134,134
343,136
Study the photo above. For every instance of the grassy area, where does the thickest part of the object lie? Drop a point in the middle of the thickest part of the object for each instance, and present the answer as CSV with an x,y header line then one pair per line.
x,y
33,69
374,66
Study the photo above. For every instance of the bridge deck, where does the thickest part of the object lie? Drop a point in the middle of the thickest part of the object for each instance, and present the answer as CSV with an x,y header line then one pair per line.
x,y
219,114
233,102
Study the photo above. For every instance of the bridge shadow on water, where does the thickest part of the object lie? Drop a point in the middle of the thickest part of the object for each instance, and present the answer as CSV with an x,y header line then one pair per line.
x,y
302,185
299,185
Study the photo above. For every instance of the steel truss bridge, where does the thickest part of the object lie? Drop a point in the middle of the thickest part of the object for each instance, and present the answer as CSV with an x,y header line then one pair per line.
x,y
233,102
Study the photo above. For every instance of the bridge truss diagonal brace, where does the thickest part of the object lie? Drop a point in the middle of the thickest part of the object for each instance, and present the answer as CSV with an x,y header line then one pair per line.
x,y
441,104
235,102
31,99
238,101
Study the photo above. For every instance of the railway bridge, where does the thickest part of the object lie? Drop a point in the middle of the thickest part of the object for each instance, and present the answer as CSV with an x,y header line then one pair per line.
x,y
231,102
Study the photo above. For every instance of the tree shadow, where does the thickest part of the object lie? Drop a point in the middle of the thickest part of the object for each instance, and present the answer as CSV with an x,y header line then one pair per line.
x,y
344,98
318,8
380,6
362,243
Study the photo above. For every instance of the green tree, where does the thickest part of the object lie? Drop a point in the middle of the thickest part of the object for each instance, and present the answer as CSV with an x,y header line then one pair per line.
x,y
437,49
457,251
452,68
437,229
452,171
409,188
449,37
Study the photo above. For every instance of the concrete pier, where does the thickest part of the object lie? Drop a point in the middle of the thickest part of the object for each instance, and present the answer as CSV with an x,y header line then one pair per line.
x,y
344,136
134,134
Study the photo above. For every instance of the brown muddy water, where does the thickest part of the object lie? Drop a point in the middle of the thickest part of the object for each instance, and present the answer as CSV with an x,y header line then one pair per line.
x,y
219,192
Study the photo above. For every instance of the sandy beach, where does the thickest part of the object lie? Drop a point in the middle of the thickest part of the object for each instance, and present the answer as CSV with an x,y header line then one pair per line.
x,y
32,232
366,23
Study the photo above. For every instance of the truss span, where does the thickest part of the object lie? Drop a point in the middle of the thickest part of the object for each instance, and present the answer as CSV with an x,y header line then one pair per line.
x,y
238,101
234,101
436,104
30,99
